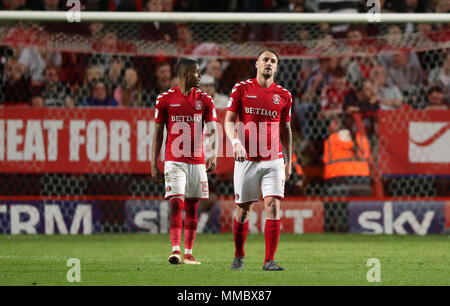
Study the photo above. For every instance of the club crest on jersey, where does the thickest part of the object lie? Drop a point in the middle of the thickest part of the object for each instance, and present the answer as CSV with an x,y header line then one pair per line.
x,y
276,99
198,105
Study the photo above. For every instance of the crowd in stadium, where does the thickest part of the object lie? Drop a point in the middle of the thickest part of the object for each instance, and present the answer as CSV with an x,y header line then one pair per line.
x,y
113,73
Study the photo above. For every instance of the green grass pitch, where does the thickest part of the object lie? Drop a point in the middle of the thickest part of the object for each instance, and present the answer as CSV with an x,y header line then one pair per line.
x,y
141,259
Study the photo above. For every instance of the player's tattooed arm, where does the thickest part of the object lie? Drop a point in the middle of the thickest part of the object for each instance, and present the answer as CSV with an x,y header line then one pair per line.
x,y
213,141
158,137
238,148
286,141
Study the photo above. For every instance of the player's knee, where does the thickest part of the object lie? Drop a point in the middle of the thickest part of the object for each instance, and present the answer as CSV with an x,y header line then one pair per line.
x,y
272,208
242,215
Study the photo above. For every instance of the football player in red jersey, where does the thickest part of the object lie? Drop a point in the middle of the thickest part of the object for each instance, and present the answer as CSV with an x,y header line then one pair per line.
x,y
262,162
184,110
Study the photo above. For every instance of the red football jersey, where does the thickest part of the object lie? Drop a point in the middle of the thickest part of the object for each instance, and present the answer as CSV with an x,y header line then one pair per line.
x,y
261,110
184,117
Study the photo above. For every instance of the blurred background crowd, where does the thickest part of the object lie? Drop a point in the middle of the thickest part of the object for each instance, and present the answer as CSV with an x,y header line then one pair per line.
x,y
331,69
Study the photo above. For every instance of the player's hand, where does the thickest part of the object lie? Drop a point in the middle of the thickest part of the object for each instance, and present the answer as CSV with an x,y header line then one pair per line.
x,y
157,174
287,170
239,152
211,163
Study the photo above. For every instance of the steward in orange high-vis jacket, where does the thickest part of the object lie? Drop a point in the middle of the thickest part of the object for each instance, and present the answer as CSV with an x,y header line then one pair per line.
x,y
346,164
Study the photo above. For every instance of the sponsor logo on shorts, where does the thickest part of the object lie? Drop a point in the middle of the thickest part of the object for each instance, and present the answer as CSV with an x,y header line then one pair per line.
x,y
237,196
168,189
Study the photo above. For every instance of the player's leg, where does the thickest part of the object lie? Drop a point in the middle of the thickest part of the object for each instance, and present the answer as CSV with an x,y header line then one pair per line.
x,y
272,185
240,231
196,188
175,179
190,229
272,232
246,190
176,225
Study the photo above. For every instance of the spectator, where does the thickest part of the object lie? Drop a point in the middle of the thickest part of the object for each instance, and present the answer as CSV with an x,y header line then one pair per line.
x,y
93,73
154,31
441,75
390,95
214,68
364,99
346,162
131,92
435,99
37,101
443,6
208,85
307,111
393,37
413,6
185,43
167,5
15,87
96,30
357,67
121,5
13,5
52,5
36,58
333,94
53,92
99,96
114,72
339,6
107,47
404,70
163,81
404,6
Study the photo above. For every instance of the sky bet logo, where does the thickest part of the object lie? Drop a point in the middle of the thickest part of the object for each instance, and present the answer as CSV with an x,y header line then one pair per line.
x,y
419,218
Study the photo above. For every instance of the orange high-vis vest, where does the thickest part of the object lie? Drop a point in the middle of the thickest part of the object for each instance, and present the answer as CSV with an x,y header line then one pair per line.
x,y
297,166
340,159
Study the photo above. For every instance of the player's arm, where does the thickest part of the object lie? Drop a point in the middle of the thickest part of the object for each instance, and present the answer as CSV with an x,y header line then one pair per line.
x,y
238,148
286,142
213,142
158,137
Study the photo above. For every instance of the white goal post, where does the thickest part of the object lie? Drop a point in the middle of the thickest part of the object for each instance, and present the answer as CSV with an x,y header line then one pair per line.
x,y
226,17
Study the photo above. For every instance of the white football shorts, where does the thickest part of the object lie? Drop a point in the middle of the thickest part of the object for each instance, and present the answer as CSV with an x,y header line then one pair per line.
x,y
250,177
188,180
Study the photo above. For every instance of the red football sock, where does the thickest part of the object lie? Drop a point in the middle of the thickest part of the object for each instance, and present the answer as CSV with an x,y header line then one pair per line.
x,y
190,222
240,234
176,221
271,234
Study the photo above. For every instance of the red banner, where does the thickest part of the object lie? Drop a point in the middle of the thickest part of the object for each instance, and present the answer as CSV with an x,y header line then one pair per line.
x,y
414,142
81,140
296,217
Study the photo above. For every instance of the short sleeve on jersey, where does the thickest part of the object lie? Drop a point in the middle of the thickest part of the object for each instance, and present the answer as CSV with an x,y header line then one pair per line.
x,y
210,110
160,110
286,113
234,102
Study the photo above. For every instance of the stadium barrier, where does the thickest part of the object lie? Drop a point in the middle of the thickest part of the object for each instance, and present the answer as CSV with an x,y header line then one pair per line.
x,y
118,141
92,215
